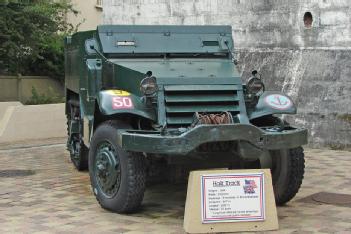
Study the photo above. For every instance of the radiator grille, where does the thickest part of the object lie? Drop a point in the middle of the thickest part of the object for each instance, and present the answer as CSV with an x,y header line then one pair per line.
x,y
182,101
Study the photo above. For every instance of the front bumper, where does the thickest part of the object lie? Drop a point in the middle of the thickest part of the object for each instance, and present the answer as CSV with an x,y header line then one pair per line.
x,y
154,142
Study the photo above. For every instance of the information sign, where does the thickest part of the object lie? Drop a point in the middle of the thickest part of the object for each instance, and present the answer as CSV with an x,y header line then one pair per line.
x,y
235,197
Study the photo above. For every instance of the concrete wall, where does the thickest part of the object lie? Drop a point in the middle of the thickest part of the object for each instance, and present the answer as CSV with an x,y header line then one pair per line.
x,y
256,23
319,83
89,14
32,122
19,88
313,65
8,89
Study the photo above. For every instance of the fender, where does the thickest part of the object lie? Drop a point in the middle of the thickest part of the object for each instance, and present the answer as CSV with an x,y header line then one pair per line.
x,y
271,102
115,101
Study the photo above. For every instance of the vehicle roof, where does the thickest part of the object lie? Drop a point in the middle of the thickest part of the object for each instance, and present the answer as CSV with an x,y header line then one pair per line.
x,y
121,39
188,29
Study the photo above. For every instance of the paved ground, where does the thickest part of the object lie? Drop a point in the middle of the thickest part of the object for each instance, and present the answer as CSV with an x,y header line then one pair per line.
x,y
58,199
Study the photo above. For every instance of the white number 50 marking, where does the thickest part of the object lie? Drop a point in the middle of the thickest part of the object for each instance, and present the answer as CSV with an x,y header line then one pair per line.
x,y
122,103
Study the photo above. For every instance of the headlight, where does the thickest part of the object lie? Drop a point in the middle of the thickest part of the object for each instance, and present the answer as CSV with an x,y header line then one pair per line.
x,y
255,85
148,86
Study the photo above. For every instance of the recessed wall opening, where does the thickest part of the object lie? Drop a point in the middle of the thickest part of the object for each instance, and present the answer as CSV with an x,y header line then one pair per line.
x,y
307,19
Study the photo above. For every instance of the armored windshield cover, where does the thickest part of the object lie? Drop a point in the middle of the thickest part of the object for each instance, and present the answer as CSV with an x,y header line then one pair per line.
x,y
164,39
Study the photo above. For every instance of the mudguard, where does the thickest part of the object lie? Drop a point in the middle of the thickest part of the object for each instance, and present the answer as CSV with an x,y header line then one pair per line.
x,y
122,102
271,102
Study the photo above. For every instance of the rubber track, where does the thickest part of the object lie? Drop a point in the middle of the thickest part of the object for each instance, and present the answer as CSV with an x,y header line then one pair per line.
x,y
83,166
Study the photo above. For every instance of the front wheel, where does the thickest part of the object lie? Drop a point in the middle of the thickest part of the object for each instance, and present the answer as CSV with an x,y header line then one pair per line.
x,y
288,167
117,177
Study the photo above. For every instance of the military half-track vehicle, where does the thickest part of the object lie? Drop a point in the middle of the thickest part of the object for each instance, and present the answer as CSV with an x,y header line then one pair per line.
x,y
140,99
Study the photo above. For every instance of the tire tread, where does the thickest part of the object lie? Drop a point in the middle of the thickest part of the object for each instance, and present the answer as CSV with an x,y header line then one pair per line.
x,y
136,167
295,177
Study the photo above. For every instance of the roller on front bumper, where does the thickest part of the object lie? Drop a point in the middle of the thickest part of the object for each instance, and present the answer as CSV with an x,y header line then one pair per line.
x,y
154,142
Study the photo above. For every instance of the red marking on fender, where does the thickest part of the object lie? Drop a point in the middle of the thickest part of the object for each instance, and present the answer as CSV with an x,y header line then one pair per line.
x,y
122,103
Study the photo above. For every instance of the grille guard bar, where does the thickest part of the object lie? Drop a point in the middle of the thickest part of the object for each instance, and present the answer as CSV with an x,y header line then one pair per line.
x,y
154,142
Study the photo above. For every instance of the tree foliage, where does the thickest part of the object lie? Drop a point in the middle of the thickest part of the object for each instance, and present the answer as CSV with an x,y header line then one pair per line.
x,y
32,37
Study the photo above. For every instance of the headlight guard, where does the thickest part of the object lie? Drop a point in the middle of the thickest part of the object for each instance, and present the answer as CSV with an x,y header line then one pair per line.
x,y
255,85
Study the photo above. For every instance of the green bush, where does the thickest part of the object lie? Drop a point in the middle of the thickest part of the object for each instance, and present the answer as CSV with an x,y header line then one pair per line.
x,y
50,98
32,37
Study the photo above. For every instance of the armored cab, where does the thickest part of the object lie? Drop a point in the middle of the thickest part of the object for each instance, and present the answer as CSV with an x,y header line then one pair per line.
x,y
143,99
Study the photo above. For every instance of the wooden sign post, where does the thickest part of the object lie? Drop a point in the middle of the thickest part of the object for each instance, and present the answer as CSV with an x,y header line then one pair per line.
x,y
230,201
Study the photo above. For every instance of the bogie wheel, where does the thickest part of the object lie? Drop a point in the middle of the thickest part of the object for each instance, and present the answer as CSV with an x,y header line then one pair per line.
x,y
117,177
78,151
288,167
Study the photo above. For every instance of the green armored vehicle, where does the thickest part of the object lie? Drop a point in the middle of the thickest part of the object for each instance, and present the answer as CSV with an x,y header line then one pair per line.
x,y
147,102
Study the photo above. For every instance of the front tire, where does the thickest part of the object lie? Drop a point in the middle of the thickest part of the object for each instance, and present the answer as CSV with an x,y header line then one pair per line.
x,y
287,173
117,177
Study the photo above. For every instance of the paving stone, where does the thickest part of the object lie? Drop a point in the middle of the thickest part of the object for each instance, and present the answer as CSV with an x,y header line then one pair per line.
x,y
58,199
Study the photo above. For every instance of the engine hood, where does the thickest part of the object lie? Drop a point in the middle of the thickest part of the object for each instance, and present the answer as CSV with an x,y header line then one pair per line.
x,y
182,68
